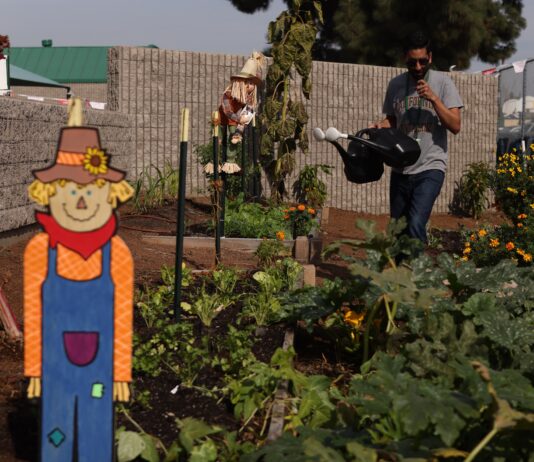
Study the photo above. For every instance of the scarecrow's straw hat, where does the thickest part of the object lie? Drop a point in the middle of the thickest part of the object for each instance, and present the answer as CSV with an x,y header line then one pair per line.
x,y
79,158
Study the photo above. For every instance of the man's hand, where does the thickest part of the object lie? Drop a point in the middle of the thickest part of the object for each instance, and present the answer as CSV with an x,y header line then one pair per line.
x,y
121,391
449,117
388,122
34,388
424,90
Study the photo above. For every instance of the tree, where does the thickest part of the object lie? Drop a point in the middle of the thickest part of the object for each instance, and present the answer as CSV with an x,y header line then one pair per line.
x,y
372,31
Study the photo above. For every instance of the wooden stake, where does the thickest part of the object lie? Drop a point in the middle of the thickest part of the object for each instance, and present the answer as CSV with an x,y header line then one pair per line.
x,y
7,318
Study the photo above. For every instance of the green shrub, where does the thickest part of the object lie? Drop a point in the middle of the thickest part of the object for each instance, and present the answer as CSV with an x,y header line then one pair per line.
x,y
473,188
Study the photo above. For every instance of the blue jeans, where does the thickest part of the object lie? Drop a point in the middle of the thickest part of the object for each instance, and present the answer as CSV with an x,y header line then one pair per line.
x,y
412,197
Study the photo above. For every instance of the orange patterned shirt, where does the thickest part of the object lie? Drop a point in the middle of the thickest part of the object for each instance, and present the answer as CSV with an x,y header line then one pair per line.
x,y
71,265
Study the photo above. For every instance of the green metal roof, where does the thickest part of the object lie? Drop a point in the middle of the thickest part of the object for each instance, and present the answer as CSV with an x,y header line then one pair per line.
x,y
64,64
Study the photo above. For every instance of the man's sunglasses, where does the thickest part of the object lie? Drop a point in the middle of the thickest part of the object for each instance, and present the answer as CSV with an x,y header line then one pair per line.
x,y
421,61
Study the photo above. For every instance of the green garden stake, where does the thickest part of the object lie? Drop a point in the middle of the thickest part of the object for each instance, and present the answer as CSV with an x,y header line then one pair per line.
x,y
222,193
255,166
244,144
180,221
216,185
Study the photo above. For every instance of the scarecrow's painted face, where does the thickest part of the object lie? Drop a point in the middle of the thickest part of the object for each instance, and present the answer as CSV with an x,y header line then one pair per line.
x,y
81,207
250,85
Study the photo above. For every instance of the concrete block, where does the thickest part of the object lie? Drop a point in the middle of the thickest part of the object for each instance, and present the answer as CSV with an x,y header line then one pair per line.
x,y
302,249
308,275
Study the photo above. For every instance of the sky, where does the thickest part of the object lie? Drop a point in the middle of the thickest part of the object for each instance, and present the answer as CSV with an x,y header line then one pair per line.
x,y
213,26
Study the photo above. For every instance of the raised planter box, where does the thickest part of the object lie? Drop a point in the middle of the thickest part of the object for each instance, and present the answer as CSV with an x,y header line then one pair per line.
x,y
305,250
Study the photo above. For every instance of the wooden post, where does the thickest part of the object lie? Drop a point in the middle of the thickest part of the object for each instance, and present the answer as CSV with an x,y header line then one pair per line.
x,y
7,318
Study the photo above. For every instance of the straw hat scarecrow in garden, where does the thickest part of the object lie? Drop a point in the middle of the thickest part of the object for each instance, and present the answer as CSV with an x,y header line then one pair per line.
x,y
78,300
238,106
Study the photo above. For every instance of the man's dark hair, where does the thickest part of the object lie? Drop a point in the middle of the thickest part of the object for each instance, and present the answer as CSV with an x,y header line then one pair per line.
x,y
417,40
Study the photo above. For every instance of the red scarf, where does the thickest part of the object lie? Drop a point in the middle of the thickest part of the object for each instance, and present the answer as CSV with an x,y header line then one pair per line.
x,y
83,243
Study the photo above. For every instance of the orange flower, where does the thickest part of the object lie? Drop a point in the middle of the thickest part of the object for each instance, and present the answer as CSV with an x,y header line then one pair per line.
x,y
353,319
467,250
280,235
522,216
482,232
286,217
527,257
301,207
494,243
292,209
311,211
510,246
520,225
473,237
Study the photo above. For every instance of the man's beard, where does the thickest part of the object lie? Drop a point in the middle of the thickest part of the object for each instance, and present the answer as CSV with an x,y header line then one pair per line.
x,y
418,75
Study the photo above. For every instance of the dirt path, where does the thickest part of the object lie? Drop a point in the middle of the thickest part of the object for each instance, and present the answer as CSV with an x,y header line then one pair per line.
x,y
18,428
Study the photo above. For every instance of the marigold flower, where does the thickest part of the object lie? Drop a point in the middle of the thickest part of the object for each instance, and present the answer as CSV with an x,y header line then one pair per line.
x,y
292,209
286,217
353,319
464,258
512,190
520,252
520,225
510,246
280,235
532,205
494,243
522,216
311,211
467,250
482,232
301,207
473,237
527,257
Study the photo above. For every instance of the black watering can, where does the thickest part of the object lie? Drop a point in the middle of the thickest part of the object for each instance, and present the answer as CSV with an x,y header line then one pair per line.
x,y
364,158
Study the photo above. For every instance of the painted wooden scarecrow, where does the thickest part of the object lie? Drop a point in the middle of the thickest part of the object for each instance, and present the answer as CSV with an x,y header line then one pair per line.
x,y
78,300
238,105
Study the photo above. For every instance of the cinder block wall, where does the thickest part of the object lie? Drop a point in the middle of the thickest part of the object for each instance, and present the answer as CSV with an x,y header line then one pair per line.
x,y
29,139
153,86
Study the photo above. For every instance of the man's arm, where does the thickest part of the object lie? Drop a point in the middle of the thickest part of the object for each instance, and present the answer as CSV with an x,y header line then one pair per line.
x,y
450,118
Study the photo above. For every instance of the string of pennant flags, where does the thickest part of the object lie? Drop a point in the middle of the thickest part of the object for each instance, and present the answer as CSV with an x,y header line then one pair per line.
x,y
63,101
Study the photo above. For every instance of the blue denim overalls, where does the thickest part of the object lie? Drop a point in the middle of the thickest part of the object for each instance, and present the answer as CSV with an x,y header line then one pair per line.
x,y
77,375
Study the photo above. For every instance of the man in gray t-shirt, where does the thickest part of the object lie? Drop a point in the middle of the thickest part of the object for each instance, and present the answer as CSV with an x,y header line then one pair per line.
x,y
424,104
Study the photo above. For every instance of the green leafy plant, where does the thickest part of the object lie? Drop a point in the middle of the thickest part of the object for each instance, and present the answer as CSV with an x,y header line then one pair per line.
x,y
269,251
207,306
472,191
225,280
154,186
251,219
284,116
309,188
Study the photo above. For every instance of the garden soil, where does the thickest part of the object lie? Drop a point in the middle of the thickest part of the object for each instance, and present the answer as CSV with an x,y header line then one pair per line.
x,y
18,421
